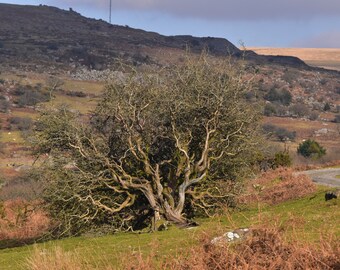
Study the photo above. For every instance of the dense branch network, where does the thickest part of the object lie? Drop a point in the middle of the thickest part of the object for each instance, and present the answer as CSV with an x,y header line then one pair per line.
x,y
159,142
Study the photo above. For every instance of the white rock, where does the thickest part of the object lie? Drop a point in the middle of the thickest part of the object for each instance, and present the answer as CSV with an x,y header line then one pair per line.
x,y
236,235
230,235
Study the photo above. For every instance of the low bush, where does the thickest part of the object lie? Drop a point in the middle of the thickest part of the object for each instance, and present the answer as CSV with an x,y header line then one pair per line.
x,y
75,93
269,110
327,107
29,95
311,149
299,110
4,105
337,118
282,159
21,123
313,116
21,186
282,96
22,220
280,133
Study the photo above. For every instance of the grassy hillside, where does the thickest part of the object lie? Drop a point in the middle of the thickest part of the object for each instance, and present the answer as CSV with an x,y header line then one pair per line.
x,y
306,220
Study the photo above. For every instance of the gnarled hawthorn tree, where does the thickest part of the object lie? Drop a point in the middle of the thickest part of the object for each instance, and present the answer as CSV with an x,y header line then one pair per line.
x,y
159,143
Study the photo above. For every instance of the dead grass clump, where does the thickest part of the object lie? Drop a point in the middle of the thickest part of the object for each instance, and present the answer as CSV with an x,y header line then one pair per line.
x,y
265,248
306,167
22,220
58,259
276,186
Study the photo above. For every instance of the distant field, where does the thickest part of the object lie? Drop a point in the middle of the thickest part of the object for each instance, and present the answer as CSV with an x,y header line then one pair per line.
x,y
326,58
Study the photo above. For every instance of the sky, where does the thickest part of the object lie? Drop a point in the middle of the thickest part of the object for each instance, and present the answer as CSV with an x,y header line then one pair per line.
x,y
252,23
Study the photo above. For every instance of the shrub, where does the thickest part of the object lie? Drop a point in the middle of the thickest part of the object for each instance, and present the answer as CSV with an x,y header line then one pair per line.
x,y
337,118
30,95
323,81
23,186
313,116
75,93
280,133
269,110
282,159
4,105
21,123
299,110
327,107
282,96
290,76
311,149
52,47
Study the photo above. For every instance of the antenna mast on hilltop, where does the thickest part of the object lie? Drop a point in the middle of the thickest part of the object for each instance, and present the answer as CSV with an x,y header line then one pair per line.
x,y
110,11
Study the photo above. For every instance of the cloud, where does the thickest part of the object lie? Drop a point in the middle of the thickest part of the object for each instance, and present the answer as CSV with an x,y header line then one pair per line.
x,y
322,40
228,10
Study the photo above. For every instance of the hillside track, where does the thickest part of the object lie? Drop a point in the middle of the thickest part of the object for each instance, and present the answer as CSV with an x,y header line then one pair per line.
x,y
326,177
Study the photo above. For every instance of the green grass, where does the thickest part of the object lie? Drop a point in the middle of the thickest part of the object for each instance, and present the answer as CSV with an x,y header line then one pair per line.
x,y
81,104
11,136
24,113
305,217
84,86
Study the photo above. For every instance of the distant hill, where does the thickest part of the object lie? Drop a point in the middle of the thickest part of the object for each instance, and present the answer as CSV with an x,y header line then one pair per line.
x,y
320,57
44,37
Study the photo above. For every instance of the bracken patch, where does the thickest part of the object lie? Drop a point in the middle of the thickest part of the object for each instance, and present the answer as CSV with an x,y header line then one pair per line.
x,y
276,186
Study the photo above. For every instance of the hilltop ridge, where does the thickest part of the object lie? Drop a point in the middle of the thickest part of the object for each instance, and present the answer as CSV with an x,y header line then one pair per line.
x,y
36,37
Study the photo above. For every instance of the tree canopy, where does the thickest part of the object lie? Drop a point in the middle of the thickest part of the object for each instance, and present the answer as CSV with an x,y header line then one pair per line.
x,y
164,144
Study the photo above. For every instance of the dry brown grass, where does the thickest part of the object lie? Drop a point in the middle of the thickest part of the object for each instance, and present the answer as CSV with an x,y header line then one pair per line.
x,y
305,167
276,186
58,259
22,220
265,248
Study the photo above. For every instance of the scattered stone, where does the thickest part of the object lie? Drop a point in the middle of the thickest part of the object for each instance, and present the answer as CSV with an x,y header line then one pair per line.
x,y
85,74
321,131
230,236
